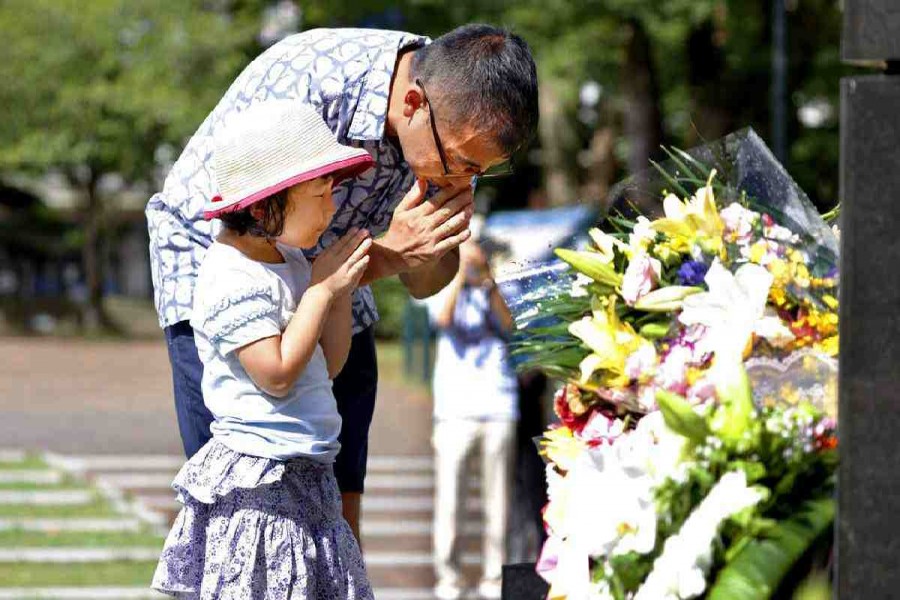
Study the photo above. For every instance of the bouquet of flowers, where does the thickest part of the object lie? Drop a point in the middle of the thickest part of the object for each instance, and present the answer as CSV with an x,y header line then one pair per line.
x,y
696,450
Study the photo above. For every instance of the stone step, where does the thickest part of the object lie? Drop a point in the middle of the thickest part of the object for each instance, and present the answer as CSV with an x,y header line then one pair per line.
x,y
417,504
81,593
36,476
379,482
116,462
401,464
91,555
47,498
75,524
127,481
76,555
374,506
375,483
140,593
417,576
172,463
407,543
376,528
412,559
11,455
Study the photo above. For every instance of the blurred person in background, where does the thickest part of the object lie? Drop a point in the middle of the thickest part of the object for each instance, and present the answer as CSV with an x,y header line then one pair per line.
x,y
475,407
435,113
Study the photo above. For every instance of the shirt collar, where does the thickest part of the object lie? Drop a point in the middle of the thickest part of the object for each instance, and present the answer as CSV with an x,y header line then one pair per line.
x,y
370,114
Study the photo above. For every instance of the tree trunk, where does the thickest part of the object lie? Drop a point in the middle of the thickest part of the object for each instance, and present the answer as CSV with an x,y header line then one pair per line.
x,y
710,96
558,147
95,317
642,118
601,169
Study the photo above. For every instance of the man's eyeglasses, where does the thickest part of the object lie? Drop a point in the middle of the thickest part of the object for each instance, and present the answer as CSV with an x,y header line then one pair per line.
x,y
502,170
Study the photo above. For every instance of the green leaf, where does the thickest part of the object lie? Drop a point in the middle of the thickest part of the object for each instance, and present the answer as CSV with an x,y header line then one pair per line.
x,y
654,331
758,569
688,173
735,414
680,416
592,265
666,299
676,185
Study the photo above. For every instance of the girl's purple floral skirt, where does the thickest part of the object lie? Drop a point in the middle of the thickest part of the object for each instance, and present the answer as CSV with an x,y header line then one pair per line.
x,y
259,528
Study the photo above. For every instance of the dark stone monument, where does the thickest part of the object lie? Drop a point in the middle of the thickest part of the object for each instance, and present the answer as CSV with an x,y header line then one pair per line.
x,y
868,523
521,582
871,30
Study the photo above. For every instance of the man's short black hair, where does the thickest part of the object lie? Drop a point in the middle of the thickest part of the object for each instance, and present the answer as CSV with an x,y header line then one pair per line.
x,y
485,77
271,224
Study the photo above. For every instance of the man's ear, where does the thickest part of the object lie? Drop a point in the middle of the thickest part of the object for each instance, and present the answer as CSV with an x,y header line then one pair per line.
x,y
413,100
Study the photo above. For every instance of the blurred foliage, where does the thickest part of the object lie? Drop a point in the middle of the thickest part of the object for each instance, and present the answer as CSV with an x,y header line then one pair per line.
x,y
100,87
104,83
391,299
96,87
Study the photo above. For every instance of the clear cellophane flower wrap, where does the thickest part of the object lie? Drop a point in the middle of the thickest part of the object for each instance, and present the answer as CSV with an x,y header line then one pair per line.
x,y
694,331
661,243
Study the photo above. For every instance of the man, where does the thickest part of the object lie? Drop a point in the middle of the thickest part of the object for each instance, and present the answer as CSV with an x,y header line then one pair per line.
x,y
475,410
441,112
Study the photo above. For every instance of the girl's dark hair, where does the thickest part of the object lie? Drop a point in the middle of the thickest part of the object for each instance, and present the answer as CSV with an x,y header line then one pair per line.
x,y
270,225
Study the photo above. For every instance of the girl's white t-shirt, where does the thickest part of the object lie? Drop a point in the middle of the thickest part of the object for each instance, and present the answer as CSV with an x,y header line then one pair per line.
x,y
239,301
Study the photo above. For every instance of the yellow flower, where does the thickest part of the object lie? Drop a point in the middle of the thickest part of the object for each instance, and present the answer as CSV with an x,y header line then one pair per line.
x,y
693,220
605,244
610,341
561,447
667,251
758,251
778,296
801,275
829,346
693,375
778,268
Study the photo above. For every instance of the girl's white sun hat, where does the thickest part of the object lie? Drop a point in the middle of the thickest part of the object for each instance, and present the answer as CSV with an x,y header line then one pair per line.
x,y
271,146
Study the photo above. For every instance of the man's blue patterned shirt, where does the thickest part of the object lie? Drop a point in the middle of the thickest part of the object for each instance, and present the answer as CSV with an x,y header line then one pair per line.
x,y
346,75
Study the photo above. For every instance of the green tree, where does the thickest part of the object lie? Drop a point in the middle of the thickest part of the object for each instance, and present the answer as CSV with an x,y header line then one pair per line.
x,y
94,88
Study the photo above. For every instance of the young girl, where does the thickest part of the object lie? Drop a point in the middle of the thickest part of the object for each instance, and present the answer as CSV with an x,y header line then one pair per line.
x,y
262,511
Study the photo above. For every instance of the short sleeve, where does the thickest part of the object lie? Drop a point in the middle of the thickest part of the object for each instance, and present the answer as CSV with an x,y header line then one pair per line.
x,y
435,304
238,315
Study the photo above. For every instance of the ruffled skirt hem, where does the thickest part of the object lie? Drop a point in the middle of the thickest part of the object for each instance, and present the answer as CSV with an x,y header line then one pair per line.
x,y
256,528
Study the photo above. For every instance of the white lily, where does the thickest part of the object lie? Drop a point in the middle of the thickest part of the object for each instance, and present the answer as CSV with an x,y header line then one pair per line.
x,y
611,510
606,244
730,309
640,278
641,236
680,571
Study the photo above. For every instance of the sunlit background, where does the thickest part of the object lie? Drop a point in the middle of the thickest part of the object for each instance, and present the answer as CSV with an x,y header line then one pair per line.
x,y
100,96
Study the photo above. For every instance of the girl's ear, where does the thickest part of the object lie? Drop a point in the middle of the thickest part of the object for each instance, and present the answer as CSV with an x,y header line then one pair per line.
x,y
257,211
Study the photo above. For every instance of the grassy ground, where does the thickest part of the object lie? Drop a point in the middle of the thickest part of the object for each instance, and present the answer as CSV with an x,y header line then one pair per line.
x,y
31,463
120,573
66,484
58,539
98,508
392,367
35,463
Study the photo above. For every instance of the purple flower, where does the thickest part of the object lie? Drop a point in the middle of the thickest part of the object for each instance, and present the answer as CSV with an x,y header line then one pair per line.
x,y
692,272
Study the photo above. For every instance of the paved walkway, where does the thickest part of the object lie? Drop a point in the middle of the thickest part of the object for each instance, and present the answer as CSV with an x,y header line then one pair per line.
x,y
101,413
78,397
